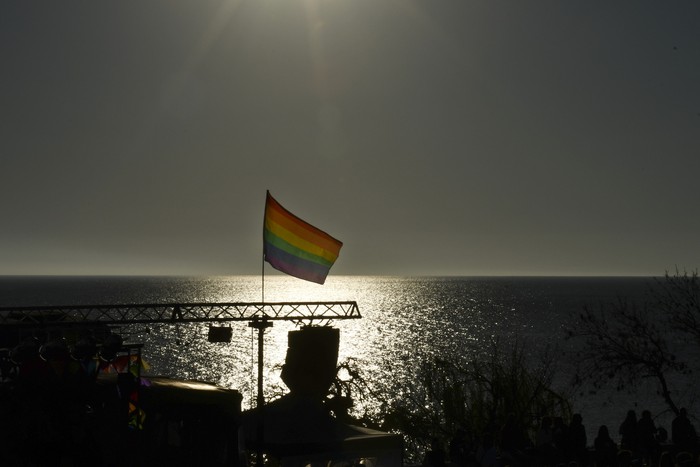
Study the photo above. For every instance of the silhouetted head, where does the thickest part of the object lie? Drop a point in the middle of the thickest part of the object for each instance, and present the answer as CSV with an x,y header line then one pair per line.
x,y
603,432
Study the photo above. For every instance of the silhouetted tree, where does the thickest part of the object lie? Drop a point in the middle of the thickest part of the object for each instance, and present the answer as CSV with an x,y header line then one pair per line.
x,y
476,397
626,342
679,297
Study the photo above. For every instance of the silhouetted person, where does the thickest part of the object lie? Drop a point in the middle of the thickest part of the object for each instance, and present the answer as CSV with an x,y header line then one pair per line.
x,y
683,432
560,433
513,442
605,448
628,432
646,440
661,435
436,456
577,442
544,441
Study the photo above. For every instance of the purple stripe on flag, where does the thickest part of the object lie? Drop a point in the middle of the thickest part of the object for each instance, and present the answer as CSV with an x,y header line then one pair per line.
x,y
295,266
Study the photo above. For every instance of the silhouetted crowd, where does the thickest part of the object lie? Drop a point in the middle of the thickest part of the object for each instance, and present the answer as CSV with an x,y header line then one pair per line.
x,y
557,444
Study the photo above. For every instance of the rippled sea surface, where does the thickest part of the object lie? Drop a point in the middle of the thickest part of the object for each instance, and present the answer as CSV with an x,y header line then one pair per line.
x,y
404,321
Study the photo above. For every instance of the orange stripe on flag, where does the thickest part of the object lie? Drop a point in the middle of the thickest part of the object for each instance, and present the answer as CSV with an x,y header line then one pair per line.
x,y
302,229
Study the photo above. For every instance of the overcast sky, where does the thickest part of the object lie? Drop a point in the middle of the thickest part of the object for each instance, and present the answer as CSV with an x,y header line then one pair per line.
x,y
433,137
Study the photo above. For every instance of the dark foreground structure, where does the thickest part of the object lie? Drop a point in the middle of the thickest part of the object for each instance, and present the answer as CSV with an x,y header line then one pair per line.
x,y
59,410
73,393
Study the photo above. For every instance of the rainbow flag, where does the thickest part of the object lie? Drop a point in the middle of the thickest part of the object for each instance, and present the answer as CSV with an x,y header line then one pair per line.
x,y
296,247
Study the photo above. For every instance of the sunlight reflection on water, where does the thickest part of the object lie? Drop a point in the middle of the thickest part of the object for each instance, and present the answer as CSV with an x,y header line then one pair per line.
x,y
405,321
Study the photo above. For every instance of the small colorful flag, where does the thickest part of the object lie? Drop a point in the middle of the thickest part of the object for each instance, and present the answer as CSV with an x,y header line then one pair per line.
x,y
296,247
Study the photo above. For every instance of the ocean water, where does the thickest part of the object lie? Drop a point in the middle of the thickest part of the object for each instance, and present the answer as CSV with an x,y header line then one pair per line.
x,y
405,320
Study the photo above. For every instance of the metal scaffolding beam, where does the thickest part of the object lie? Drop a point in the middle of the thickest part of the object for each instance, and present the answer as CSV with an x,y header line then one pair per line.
x,y
54,316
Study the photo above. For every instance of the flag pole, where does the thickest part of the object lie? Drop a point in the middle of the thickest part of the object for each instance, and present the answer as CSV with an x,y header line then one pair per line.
x,y
262,273
261,323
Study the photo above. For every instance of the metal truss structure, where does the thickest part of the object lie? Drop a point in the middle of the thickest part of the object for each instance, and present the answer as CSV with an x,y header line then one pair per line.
x,y
60,316
259,315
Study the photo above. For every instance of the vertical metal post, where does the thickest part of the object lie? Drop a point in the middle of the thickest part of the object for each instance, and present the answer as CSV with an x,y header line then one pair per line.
x,y
260,324
261,343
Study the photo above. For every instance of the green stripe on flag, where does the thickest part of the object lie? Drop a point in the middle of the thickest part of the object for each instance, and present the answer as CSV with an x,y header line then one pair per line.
x,y
283,245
